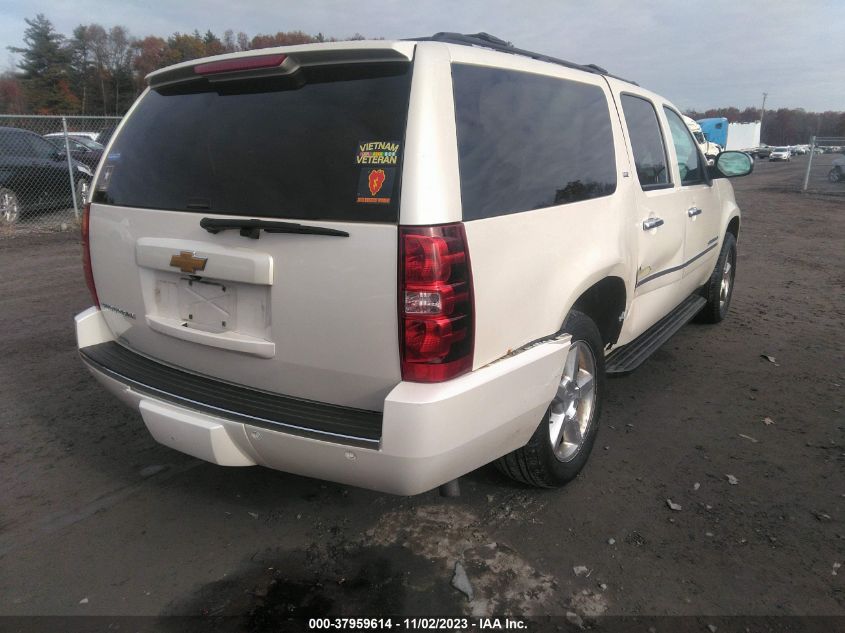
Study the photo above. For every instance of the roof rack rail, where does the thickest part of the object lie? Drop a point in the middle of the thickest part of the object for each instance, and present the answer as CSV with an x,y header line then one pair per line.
x,y
486,40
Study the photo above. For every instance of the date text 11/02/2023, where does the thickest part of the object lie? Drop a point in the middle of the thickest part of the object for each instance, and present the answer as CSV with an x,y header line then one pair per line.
x,y
429,624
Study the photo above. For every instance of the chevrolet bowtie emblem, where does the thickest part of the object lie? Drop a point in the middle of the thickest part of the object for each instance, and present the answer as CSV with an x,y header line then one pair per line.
x,y
187,263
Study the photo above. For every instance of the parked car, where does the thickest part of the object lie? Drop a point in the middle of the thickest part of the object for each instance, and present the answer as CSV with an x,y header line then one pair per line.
x,y
82,149
780,153
761,152
105,136
837,172
94,136
35,175
407,260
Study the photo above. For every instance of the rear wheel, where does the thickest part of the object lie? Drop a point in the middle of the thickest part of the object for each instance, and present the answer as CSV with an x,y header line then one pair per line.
x,y
10,210
834,175
562,442
719,290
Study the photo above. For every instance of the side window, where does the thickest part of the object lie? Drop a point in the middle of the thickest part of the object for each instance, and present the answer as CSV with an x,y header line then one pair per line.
x,y
6,144
689,161
529,141
16,144
40,147
75,146
646,142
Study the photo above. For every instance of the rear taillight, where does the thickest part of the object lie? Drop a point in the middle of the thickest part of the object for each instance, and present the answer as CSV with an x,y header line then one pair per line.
x,y
86,253
437,329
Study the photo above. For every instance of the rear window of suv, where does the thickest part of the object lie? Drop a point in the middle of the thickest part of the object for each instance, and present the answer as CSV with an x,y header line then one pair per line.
x,y
323,145
529,141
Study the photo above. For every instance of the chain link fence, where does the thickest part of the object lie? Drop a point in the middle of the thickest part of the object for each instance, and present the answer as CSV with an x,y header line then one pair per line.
x,y
825,172
46,167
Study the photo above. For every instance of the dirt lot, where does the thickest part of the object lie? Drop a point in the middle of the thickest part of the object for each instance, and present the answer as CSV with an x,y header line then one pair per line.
x,y
96,518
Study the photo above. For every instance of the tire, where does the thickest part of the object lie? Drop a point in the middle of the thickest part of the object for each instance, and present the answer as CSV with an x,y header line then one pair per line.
x,y
538,463
10,208
720,288
834,175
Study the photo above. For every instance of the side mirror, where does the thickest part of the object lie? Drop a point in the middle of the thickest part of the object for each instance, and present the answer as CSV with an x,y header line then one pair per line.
x,y
58,155
731,164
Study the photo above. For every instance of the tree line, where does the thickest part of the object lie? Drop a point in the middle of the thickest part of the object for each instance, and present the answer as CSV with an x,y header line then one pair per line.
x,y
100,71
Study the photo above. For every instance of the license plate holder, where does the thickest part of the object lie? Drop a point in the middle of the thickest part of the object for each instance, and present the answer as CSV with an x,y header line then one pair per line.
x,y
207,305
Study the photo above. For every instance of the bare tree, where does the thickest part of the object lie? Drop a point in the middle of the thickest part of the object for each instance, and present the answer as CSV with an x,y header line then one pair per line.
x,y
100,49
82,61
119,59
229,43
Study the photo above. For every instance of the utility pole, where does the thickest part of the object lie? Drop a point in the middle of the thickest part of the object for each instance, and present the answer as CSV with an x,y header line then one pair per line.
x,y
762,112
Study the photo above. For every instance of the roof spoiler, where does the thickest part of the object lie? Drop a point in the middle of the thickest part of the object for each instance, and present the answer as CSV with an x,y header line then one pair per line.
x,y
237,66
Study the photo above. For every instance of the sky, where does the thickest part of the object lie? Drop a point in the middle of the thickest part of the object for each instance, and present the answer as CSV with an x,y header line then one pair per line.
x,y
696,54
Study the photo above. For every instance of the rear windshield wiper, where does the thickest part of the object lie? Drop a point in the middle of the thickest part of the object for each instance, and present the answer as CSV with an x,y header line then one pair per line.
x,y
253,228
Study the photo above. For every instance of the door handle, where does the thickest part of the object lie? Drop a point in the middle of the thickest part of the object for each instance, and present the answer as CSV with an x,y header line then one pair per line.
x,y
693,211
652,223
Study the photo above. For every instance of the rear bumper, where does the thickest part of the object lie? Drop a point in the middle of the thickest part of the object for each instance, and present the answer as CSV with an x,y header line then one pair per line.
x,y
430,433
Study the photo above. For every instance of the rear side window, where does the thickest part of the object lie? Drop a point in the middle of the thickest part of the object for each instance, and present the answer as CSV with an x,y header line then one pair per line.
x,y
16,144
689,160
646,142
325,144
39,147
529,141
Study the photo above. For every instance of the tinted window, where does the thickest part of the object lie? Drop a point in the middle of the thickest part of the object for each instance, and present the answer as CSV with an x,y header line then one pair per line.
x,y
59,143
529,141
689,162
88,143
324,144
646,142
15,144
39,147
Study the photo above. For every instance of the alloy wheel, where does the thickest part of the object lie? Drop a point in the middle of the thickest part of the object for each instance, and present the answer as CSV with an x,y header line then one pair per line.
x,y
9,207
571,413
727,282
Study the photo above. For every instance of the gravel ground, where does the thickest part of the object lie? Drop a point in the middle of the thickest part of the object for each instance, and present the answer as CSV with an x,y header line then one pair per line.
x,y
98,519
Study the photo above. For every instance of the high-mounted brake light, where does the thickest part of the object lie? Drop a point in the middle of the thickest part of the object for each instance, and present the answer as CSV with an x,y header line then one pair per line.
x,y
436,303
86,253
241,63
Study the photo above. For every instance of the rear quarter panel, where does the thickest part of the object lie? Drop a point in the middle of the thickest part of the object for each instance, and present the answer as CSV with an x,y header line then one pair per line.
x,y
529,268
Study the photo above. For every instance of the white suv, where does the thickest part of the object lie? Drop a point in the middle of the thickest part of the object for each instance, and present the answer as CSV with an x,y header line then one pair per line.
x,y
389,263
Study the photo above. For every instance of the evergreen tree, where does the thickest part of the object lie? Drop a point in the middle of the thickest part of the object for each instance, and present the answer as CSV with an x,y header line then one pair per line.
x,y
45,64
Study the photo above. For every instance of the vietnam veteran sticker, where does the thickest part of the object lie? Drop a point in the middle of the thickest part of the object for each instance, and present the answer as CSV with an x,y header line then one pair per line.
x,y
375,185
377,153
